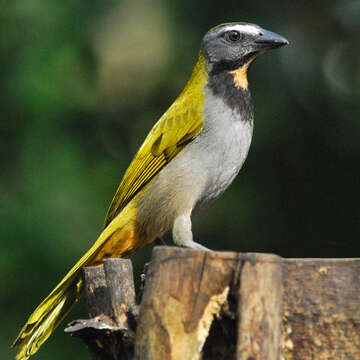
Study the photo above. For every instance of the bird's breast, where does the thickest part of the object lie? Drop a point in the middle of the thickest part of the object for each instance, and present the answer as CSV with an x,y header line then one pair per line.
x,y
201,171
224,144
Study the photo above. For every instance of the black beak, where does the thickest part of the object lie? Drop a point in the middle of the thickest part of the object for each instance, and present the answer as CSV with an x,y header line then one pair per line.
x,y
268,40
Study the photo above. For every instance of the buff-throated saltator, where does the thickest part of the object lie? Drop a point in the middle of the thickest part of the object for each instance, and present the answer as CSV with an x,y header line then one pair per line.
x,y
191,155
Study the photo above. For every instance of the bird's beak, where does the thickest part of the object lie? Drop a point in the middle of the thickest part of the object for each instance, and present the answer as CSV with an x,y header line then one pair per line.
x,y
269,40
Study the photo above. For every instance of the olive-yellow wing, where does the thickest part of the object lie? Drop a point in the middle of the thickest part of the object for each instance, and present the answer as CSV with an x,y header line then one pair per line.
x,y
181,123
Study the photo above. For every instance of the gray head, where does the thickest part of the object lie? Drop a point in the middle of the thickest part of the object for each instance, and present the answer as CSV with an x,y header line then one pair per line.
x,y
232,45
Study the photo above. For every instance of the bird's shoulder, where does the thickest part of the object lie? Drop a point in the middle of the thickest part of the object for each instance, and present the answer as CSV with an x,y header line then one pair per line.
x,y
180,124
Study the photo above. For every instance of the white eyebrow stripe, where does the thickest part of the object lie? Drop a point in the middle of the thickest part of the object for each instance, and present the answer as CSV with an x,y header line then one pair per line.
x,y
249,29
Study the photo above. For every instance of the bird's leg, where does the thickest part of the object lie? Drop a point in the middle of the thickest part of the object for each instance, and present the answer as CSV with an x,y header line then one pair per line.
x,y
182,234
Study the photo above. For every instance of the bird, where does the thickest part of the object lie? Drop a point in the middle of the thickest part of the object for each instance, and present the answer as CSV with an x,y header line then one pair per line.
x,y
188,159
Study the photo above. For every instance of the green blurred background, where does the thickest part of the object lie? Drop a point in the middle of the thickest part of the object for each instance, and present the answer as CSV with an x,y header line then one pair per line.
x,y
82,82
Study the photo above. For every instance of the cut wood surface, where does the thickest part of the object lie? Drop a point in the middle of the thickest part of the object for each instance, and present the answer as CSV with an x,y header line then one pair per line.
x,y
223,305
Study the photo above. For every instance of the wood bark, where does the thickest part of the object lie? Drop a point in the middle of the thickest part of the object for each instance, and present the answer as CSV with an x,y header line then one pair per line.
x,y
260,308
110,295
321,302
184,290
96,294
121,290
223,305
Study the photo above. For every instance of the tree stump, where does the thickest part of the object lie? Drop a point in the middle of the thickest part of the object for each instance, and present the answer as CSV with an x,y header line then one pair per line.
x,y
223,305
109,334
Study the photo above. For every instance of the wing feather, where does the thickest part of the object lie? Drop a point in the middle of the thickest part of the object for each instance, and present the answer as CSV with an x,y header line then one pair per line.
x,y
182,122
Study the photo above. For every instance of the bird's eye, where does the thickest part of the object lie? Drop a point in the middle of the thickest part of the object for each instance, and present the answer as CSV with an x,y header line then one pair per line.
x,y
234,35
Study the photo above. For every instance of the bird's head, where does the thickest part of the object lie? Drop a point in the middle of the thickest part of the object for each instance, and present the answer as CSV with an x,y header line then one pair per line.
x,y
233,46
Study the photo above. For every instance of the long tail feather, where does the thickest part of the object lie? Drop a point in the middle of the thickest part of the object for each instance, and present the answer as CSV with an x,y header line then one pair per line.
x,y
47,316
118,238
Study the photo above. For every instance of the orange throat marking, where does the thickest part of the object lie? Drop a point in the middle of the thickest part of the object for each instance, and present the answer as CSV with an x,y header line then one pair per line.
x,y
240,75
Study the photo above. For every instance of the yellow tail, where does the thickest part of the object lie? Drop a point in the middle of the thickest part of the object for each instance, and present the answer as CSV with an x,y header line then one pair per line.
x,y
117,239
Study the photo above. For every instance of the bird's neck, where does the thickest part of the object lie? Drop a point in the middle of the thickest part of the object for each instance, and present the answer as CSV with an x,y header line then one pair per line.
x,y
232,87
198,77
192,97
